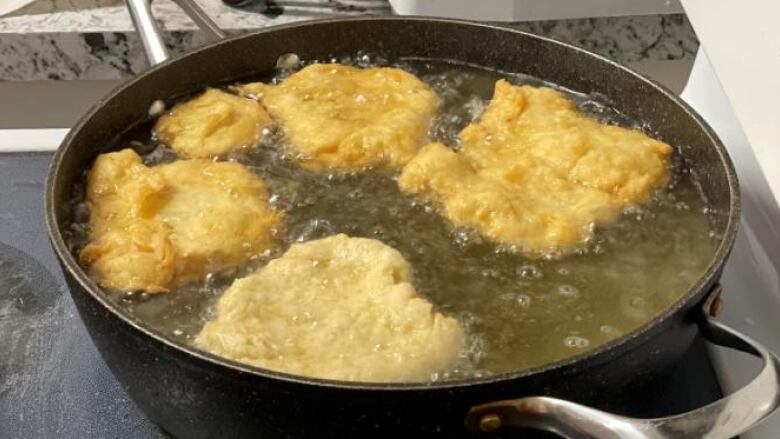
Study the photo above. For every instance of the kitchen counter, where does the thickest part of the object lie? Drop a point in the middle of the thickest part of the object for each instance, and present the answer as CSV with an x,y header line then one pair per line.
x,y
66,39
114,18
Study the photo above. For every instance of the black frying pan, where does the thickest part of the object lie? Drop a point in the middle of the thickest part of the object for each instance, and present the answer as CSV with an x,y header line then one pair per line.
x,y
193,394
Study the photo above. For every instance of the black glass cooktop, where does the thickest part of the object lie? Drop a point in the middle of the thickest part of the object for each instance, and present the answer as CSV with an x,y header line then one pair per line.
x,y
54,384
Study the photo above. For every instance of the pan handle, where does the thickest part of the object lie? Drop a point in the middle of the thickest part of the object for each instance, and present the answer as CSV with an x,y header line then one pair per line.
x,y
723,419
151,37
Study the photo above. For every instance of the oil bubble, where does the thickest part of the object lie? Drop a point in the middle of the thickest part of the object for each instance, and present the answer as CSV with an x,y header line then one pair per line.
x,y
609,330
576,342
568,290
523,300
530,272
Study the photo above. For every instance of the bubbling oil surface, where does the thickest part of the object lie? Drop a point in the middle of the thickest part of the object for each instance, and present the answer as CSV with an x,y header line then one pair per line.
x,y
518,312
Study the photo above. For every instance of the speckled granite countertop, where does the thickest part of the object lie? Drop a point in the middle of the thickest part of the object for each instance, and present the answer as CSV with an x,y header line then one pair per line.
x,y
114,18
65,39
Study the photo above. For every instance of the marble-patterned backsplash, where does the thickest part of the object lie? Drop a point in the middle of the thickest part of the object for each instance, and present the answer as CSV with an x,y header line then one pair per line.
x,y
624,39
114,55
49,6
105,55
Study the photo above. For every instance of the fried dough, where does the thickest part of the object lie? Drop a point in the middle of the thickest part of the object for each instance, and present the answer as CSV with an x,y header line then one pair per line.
x,y
338,308
346,118
536,174
156,228
212,125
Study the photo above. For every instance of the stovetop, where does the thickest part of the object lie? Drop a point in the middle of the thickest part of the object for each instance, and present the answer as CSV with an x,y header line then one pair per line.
x,y
53,382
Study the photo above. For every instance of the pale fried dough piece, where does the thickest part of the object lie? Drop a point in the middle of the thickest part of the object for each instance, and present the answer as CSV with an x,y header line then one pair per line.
x,y
339,308
537,174
153,229
346,118
219,215
128,248
212,125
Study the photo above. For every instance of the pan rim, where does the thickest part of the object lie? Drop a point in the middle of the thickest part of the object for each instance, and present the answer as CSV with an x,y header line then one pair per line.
x,y
601,353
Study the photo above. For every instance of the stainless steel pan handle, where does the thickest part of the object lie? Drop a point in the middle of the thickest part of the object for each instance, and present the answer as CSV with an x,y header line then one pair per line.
x,y
723,419
151,37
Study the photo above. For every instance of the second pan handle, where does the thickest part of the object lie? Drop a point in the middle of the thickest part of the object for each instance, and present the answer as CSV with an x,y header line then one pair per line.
x,y
723,419
150,35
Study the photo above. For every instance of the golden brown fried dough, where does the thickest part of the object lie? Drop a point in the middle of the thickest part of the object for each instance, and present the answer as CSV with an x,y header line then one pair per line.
x,y
346,118
339,308
537,174
212,125
153,229
128,249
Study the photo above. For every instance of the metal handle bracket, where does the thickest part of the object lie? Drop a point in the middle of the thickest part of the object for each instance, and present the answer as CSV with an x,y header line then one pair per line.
x,y
151,37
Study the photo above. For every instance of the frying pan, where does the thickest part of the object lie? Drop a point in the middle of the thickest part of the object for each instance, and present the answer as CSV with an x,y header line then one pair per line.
x,y
193,394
